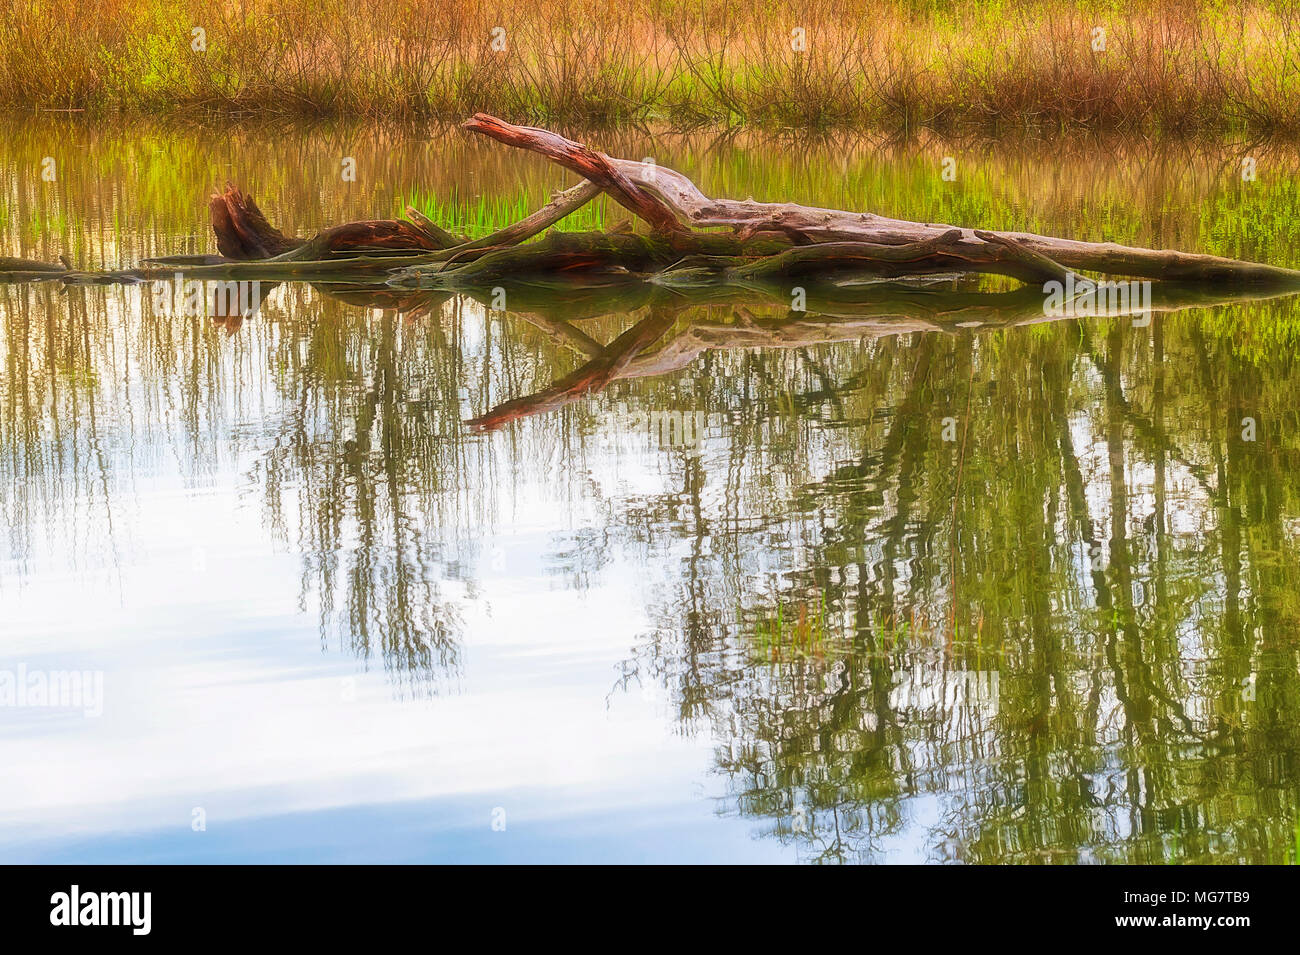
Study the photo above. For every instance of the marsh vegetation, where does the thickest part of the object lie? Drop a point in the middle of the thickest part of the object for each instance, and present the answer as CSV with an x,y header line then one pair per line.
x,y
1168,65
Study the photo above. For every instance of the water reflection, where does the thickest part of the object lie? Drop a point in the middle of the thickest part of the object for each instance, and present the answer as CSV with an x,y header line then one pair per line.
x,y
937,580
1112,574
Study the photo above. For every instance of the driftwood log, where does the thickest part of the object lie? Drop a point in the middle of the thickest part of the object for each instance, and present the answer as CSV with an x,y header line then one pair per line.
x,y
674,206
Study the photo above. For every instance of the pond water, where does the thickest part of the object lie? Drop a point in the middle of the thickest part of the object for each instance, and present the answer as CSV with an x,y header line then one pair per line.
x,y
869,589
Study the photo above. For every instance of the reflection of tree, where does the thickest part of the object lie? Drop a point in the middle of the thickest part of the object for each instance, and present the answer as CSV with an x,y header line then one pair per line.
x,y
1119,635
1124,559
368,476
1125,563
362,445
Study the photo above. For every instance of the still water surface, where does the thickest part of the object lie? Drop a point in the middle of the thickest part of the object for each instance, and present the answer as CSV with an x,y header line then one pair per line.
x,y
744,604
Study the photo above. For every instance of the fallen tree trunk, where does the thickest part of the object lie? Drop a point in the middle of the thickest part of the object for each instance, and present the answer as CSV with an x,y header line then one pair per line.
x,y
243,233
630,183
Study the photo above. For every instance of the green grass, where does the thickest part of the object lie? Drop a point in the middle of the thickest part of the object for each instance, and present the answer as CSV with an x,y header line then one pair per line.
x,y
790,632
477,216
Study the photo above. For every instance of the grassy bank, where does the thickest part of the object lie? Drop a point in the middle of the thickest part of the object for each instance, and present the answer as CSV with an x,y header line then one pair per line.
x,y
1166,65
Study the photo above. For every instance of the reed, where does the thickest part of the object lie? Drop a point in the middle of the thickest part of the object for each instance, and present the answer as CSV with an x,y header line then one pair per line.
x,y
1166,64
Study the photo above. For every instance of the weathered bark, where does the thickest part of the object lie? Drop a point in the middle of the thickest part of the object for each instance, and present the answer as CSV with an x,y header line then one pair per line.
x,y
242,231
586,162
244,234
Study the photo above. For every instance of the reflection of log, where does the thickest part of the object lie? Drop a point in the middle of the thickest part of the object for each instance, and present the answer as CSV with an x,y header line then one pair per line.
x,y
405,302
836,314
593,376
